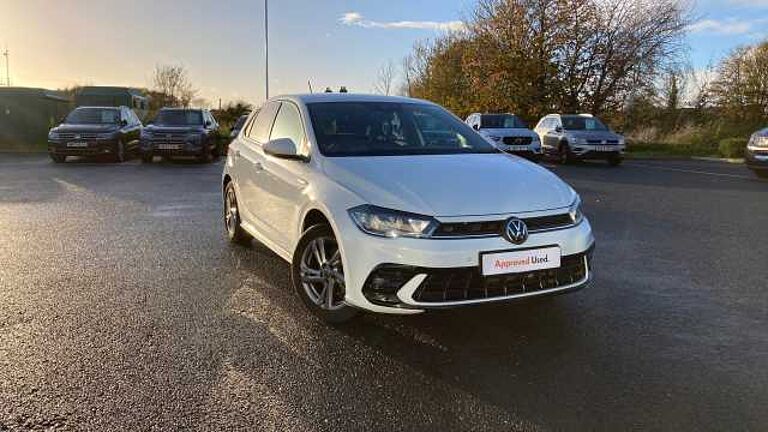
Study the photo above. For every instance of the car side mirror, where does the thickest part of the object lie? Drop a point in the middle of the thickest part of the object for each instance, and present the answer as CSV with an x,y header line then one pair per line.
x,y
559,129
283,148
208,124
123,122
476,126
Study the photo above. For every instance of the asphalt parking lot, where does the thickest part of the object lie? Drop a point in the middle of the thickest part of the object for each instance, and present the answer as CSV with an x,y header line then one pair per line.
x,y
122,306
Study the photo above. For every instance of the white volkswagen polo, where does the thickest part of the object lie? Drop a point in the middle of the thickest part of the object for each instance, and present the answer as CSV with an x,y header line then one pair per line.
x,y
394,205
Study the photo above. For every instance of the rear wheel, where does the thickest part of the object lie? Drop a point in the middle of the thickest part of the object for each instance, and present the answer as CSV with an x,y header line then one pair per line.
x,y
147,158
235,232
761,173
318,275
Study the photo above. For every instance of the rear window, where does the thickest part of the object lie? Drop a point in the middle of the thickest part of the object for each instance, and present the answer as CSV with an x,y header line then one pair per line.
x,y
583,123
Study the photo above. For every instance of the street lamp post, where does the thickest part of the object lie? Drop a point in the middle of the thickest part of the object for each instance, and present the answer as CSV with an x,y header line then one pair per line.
x,y
266,49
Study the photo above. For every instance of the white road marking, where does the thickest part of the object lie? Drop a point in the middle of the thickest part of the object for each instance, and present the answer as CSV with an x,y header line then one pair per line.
x,y
690,171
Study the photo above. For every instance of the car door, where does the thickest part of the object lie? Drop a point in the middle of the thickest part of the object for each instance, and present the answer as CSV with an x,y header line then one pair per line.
x,y
284,180
248,168
552,136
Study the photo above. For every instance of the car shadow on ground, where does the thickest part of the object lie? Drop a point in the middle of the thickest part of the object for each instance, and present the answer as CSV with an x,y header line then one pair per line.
x,y
509,361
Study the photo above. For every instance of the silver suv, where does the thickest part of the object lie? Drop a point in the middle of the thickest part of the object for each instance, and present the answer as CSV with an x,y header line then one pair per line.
x,y
571,137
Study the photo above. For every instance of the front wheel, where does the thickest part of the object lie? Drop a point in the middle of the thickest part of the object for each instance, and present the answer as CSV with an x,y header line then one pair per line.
x,y
761,173
58,158
119,156
147,158
564,154
206,156
615,160
318,275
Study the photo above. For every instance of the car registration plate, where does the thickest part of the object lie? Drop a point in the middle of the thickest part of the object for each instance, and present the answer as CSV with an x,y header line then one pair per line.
x,y
520,261
77,144
168,146
604,148
517,148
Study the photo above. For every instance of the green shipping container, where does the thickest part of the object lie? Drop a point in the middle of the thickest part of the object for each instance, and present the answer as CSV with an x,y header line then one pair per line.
x,y
26,115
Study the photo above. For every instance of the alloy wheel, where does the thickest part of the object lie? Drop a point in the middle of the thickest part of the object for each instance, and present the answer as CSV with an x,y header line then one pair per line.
x,y
230,212
322,275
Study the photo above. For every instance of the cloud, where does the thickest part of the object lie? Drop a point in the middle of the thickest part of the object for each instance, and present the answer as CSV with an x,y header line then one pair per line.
x,y
721,27
356,19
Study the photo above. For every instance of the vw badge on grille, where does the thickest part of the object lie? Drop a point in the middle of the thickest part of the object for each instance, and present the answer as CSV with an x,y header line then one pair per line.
x,y
516,231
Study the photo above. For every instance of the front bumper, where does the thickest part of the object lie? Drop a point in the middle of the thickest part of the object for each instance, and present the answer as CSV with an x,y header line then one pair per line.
x,y
93,148
601,152
756,158
365,256
171,149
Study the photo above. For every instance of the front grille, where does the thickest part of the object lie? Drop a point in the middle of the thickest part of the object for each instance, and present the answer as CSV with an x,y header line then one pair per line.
x,y
517,140
466,284
168,139
599,142
69,136
495,228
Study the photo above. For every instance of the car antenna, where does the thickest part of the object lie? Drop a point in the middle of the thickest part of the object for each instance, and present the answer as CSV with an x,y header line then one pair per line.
x,y
309,83
328,90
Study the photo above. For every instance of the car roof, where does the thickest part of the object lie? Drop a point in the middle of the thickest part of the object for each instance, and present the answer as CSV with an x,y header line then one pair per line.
x,y
101,107
183,109
347,97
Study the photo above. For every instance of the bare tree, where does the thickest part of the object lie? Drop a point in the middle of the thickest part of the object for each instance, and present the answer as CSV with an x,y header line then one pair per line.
x,y
172,85
385,79
741,86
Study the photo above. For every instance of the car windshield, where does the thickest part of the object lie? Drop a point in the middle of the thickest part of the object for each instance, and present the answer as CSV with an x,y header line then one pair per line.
x,y
501,121
391,129
583,123
179,118
93,116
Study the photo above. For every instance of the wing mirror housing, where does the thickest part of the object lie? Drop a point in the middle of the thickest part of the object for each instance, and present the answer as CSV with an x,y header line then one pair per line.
x,y
559,129
283,148
476,127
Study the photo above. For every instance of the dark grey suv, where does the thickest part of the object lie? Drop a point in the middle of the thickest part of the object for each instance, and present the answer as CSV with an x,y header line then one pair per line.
x,y
570,137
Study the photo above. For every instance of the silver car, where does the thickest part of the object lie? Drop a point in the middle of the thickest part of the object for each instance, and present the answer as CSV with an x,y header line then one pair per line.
x,y
579,136
757,153
508,132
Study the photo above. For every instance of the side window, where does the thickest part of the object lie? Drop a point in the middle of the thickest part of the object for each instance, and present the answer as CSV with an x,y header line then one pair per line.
x,y
288,124
261,127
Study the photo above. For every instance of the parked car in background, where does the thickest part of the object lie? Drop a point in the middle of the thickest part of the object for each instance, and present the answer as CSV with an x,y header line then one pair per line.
x,y
757,153
509,132
181,132
570,137
393,205
238,126
96,131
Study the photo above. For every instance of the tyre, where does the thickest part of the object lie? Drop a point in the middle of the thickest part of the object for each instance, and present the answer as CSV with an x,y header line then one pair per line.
x,y
761,173
232,222
119,156
206,156
147,158
318,275
564,154
615,160
58,158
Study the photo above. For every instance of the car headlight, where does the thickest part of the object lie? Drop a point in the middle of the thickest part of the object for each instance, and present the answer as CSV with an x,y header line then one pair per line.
x,y
574,211
392,223
105,135
53,135
622,141
758,141
495,138
575,140
146,135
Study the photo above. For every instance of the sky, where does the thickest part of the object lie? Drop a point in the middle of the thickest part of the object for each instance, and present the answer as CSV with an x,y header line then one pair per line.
x,y
221,44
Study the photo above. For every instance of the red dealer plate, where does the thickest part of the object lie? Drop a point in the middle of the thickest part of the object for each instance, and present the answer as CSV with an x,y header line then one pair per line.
x,y
520,261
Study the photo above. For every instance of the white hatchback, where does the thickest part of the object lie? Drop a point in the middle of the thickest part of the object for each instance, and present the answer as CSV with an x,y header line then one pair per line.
x,y
394,205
